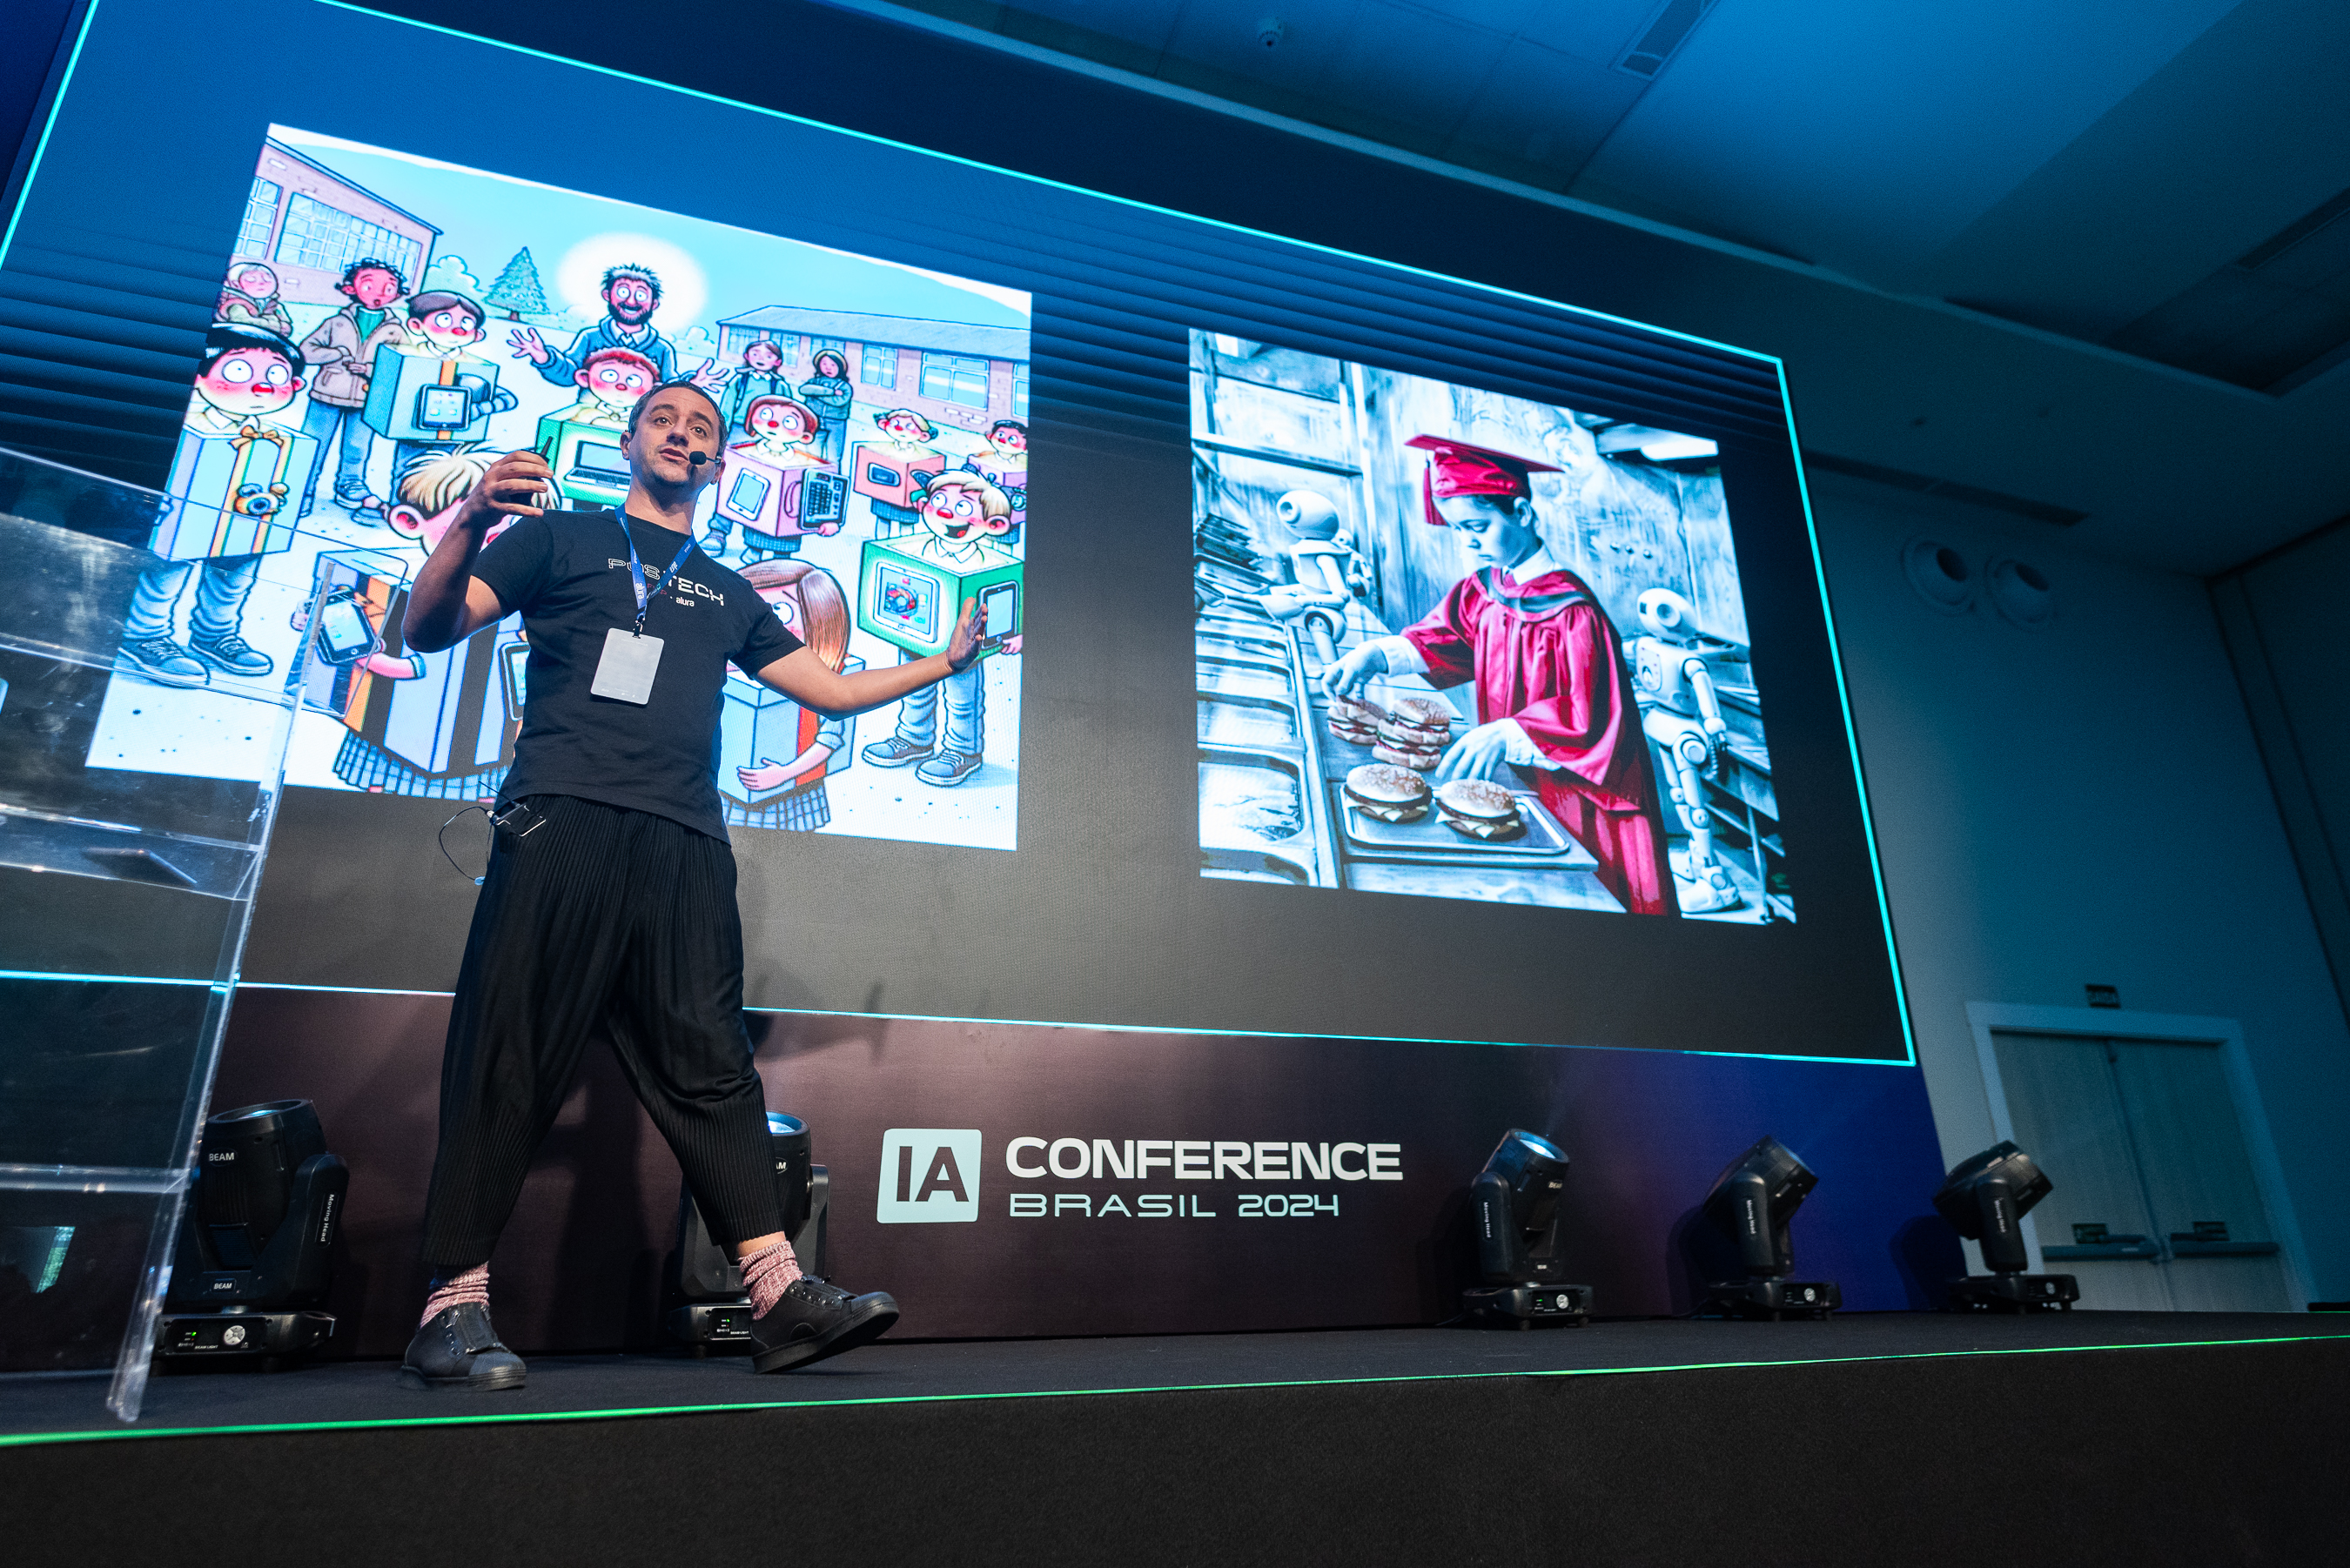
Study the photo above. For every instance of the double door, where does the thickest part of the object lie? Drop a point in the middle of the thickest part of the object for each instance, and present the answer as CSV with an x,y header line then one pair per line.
x,y
2158,1205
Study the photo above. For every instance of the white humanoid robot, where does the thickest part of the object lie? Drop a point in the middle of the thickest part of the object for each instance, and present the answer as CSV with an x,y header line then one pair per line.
x,y
1674,667
1326,569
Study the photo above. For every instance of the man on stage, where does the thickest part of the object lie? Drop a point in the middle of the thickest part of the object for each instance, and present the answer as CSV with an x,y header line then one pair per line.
x,y
1553,698
609,900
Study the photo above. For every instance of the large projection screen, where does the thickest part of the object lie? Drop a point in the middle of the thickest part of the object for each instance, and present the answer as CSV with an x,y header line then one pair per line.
x,y
1582,541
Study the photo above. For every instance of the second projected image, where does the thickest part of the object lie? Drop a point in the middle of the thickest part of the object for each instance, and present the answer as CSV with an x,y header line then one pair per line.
x,y
1462,645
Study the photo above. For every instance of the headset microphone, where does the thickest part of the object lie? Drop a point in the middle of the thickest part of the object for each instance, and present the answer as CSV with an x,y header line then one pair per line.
x,y
697,459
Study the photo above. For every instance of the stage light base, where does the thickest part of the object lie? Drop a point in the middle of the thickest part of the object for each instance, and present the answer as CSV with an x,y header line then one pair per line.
x,y
713,1328
184,1340
1771,1300
2014,1292
1528,1306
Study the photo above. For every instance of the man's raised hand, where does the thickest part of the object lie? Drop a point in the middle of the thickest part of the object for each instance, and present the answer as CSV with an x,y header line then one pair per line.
x,y
514,487
527,344
964,646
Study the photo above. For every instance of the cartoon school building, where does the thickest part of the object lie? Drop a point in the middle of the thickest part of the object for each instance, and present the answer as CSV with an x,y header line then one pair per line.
x,y
950,372
309,224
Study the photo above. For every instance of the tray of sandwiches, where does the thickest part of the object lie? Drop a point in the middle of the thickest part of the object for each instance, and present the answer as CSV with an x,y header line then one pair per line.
x,y
1389,807
1393,811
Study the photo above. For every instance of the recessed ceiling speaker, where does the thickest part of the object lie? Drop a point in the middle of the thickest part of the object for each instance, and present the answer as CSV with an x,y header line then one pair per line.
x,y
2023,597
1941,574
1269,32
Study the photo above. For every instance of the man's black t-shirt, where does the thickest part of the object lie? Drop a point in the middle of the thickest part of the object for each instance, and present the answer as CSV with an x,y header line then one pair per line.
x,y
567,574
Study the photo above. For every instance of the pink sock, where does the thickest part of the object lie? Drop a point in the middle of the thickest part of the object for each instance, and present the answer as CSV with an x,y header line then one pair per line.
x,y
766,1272
472,1285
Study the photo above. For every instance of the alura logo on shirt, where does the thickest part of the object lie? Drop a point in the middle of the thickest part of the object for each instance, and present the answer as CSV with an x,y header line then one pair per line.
x,y
928,1176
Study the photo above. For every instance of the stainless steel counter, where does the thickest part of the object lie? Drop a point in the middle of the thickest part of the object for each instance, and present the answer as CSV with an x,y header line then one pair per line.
x,y
1272,776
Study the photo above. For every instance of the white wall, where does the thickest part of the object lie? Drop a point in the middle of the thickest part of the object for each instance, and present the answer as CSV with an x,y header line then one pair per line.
x,y
2081,804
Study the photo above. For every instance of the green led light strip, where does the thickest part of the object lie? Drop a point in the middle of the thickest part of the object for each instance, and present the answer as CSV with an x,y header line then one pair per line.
x,y
1025,1023
33,169
112,1434
1851,734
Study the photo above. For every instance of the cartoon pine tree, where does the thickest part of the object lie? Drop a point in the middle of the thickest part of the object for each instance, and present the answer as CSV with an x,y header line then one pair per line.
x,y
517,291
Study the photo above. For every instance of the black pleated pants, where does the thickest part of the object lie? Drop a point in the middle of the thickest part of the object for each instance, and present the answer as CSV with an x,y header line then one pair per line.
x,y
608,918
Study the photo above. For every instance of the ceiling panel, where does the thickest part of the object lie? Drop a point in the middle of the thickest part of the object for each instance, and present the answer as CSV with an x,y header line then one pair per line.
x,y
1222,37
2078,165
1505,16
1546,109
1865,137
1595,30
1412,65
2248,129
1146,25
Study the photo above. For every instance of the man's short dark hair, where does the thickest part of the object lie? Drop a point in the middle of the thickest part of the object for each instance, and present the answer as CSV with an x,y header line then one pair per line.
x,y
375,264
233,337
682,384
643,275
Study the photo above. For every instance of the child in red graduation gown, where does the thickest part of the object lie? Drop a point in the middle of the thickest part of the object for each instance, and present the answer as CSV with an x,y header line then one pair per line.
x,y
1553,698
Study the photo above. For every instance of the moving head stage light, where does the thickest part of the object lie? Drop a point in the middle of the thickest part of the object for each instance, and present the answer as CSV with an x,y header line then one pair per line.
x,y
1754,1200
1513,1203
256,1246
714,1314
1986,1197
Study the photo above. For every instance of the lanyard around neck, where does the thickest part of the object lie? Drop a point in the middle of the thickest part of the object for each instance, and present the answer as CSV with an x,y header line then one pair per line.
x,y
645,595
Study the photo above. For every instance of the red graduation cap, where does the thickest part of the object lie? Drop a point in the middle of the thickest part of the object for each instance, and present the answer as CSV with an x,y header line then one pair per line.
x,y
1456,468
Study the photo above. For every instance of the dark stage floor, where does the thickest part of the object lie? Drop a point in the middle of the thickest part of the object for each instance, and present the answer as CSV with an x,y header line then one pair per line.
x,y
53,1409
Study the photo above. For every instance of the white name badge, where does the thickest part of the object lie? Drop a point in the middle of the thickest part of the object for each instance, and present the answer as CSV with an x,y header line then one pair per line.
x,y
625,673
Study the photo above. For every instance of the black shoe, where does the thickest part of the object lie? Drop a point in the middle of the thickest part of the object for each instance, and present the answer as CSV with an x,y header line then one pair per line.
x,y
457,1348
815,1320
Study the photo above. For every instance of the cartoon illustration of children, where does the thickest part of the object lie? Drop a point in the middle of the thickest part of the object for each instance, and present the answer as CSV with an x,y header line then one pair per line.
x,y
760,376
397,705
427,493
445,325
1005,463
431,488
247,374
610,381
249,298
340,352
780,431
829,393
808,600
766,485
904,454
962,515
632,294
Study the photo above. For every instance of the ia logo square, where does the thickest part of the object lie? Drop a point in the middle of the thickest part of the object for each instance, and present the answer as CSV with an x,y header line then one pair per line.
x,y
928,1176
